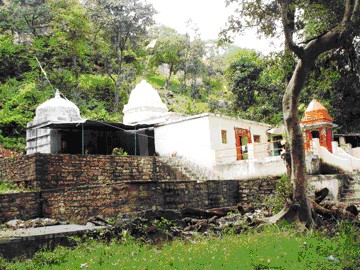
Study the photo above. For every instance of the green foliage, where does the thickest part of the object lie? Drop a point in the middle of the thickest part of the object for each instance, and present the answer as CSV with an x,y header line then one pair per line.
x,y
257,85
14,58
124,26
119,152
7,187
273,247
168,49
275,202
163,224
17,109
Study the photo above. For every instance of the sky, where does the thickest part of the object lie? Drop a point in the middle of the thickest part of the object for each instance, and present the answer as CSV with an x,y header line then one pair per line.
x,y
209,16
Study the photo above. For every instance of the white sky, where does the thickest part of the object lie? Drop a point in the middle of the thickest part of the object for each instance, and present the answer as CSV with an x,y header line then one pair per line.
x,y
209,16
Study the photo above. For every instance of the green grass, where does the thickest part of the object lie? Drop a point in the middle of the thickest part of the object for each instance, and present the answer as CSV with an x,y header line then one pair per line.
x,y
182,102
273,248
158,81
6,187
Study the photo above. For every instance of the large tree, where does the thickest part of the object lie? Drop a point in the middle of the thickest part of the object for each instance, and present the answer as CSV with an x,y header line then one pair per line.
x,y
257,84
25,18
121,24
167,50
310,28
192,64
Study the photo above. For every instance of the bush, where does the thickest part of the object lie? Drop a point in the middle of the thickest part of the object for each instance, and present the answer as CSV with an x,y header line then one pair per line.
x,y
276,202
119,152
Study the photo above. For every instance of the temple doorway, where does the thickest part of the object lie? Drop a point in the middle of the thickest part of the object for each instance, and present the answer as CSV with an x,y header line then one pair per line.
x,y
243,138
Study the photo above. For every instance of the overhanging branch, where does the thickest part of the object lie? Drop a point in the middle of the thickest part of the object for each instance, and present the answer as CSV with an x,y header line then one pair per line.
x,y
287,18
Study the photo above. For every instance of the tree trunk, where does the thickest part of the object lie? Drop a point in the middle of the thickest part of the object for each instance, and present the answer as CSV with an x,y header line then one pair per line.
x,y
76,70
300,210
117,90
167,82
119,79
183,88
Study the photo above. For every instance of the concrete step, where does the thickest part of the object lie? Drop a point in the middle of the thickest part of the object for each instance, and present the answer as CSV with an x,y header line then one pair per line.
x,y
350,198
355,201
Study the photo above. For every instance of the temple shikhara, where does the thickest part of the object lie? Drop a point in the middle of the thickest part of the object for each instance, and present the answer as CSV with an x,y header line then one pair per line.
x,y
317,124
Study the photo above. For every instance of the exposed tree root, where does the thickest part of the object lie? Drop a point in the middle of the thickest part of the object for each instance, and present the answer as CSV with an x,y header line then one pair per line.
x,y
321,211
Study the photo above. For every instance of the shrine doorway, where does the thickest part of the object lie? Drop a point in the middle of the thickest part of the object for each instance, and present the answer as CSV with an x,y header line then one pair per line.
x,y
242,138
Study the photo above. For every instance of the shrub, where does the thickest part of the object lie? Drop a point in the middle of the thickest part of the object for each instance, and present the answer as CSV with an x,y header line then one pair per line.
x,y
119,152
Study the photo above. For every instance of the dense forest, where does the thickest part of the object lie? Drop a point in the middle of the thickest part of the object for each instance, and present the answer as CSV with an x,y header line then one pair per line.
x,y
96,51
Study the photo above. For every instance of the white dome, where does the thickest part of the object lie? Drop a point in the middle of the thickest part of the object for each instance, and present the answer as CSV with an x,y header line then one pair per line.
x,y
57,109
144,104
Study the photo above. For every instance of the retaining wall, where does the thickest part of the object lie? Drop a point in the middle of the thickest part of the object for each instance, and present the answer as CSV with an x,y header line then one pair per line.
x,y
48,171
23,205
20,170
82,203
79,187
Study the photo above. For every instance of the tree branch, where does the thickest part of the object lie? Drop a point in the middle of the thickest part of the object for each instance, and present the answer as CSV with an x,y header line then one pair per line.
x,y
348,11
336,37
287,18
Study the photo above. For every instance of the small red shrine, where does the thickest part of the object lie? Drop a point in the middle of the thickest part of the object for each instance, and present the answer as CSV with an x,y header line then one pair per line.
x,y
317,123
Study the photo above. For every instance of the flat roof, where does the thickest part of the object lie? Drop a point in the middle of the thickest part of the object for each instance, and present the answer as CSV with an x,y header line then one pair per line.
x,y
350,134
91,125
192,117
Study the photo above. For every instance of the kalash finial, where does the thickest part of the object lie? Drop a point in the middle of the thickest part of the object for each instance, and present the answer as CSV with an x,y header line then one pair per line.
x,y
57,93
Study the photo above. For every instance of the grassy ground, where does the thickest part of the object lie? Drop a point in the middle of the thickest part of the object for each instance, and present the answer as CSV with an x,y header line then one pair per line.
x,y
6,187
182,103
271,248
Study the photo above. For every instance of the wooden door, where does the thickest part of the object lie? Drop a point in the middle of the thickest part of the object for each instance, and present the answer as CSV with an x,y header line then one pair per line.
x,y
242,138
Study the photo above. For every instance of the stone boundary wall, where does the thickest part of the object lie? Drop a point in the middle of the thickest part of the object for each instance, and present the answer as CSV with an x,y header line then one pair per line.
x,y
20,170
79,187
48,171
79,204
255,191
22,205
59,171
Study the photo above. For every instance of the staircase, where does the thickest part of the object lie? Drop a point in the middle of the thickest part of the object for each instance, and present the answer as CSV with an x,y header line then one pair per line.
x,y
351,190
189,169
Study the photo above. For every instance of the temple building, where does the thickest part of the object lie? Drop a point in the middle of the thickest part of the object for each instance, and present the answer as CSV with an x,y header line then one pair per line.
x,y
145,106
54,111
148,126
58,128
317,123
208,139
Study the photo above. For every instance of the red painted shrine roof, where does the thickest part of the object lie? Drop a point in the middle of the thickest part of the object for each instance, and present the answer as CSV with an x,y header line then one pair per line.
x,y
316,113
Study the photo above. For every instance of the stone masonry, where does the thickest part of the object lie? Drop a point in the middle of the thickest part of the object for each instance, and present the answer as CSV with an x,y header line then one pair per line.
x,y
79,187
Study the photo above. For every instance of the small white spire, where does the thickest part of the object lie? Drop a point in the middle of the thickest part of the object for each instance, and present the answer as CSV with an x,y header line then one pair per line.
x,y
57,93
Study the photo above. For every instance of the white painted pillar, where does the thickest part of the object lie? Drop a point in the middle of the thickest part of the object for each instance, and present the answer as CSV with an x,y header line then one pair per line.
x,y
251,153
335,147
316,146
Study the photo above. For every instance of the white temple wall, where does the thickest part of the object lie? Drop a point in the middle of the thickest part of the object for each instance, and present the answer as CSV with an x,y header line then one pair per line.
x,y
355,152
226,152
252,168
43,140
189,139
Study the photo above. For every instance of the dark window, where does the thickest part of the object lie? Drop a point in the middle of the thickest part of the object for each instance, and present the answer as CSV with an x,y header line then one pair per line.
x,y
256,138
315,134
223,136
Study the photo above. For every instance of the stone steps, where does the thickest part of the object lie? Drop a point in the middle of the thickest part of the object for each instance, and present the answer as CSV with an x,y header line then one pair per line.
x,y
187,169
351,190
